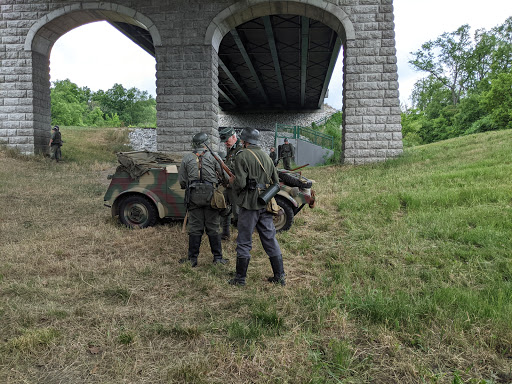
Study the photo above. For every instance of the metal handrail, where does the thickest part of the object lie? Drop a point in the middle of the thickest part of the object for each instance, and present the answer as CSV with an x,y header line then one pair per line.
x,y
323,120
305,134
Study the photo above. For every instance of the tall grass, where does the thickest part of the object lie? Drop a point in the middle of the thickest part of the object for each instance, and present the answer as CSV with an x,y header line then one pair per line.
x,y
332,127
402,273
85,145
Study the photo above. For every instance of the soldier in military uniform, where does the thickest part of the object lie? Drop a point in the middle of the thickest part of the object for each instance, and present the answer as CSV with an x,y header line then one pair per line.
x,y
273,155
198,174
55,144
255,172
287,153
233,145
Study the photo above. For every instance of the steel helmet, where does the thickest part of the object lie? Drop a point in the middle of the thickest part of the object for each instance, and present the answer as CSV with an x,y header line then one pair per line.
x,y
250,135
199,139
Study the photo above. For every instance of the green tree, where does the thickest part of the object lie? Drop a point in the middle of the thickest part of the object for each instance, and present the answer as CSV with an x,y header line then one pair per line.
x,y
465,89
446,60
131,105
497,103
68,103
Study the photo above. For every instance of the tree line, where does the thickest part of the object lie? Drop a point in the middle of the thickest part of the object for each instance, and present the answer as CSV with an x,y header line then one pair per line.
x,y
467,87
72,105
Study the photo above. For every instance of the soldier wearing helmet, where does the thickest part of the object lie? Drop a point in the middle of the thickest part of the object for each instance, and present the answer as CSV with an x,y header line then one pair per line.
x,y
55,144
287,153
254,173
198,174
229,137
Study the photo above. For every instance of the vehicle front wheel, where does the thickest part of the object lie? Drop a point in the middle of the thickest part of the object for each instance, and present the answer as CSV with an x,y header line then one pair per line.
x,y
284,220
137,212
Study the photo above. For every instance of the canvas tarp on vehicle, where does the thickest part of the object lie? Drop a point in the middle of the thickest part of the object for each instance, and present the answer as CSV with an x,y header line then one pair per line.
x,y
139,162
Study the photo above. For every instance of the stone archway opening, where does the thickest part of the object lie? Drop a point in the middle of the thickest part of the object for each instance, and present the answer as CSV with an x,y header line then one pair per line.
x,y
277,57
46,31
277,62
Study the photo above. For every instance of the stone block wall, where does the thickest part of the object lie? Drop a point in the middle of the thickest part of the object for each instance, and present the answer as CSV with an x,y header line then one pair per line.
x,y
372,130
186,35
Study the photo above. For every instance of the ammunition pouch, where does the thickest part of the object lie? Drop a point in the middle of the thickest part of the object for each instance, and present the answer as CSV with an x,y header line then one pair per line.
x,y
251,185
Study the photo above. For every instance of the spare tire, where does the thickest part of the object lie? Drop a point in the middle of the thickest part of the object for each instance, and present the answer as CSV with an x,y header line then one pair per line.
x,y
284,220
294,180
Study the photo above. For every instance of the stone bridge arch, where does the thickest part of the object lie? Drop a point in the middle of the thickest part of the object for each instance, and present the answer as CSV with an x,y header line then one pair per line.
x,y
371,116
38,44
242,11
185,37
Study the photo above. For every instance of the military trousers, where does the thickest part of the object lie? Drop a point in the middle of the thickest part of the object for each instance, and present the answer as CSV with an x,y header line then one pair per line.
x,y
55,153
287,162
203,219
262,221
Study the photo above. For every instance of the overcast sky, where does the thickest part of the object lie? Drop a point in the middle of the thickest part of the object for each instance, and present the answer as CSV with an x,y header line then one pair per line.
x,y
98,56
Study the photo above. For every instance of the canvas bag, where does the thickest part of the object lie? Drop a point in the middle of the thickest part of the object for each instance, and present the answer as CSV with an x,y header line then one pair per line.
x,y
218,201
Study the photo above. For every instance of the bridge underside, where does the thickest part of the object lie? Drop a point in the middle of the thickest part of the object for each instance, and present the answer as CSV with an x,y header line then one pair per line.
x,y
271,62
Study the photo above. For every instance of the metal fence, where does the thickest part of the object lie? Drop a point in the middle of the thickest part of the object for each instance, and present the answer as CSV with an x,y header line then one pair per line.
x,y
304,133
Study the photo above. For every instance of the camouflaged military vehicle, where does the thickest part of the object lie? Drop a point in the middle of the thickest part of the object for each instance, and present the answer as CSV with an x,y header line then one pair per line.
x,y
145,189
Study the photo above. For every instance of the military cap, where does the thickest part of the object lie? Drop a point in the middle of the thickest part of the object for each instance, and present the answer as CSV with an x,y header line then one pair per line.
x,y
56,128
285,140
226,133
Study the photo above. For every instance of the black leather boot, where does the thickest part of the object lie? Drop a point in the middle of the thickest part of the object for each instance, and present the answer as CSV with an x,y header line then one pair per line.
x,y
194,243
216,247
241,272
277,268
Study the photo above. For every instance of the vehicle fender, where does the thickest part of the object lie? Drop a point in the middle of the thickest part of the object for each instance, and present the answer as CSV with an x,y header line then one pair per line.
x,y
141,191
288,197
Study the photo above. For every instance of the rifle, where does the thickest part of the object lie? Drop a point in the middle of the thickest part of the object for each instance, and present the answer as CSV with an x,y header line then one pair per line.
x,y
219,160
302,166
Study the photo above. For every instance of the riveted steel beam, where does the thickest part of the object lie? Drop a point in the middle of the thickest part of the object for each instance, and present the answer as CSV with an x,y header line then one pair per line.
x,y
233,80
330,69
304,58
138,35
227,97
249,63
275,58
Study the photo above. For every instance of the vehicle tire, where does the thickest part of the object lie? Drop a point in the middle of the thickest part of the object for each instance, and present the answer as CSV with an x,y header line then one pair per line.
x,y
284,221
293,181
137,211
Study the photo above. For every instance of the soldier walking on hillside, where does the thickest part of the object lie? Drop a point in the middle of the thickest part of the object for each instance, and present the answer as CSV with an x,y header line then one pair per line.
x,y
198,175
55,144
255,172
233,145
287,153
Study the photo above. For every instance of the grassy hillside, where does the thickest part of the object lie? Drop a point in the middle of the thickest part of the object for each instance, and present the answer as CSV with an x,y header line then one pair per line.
x,y
401,274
